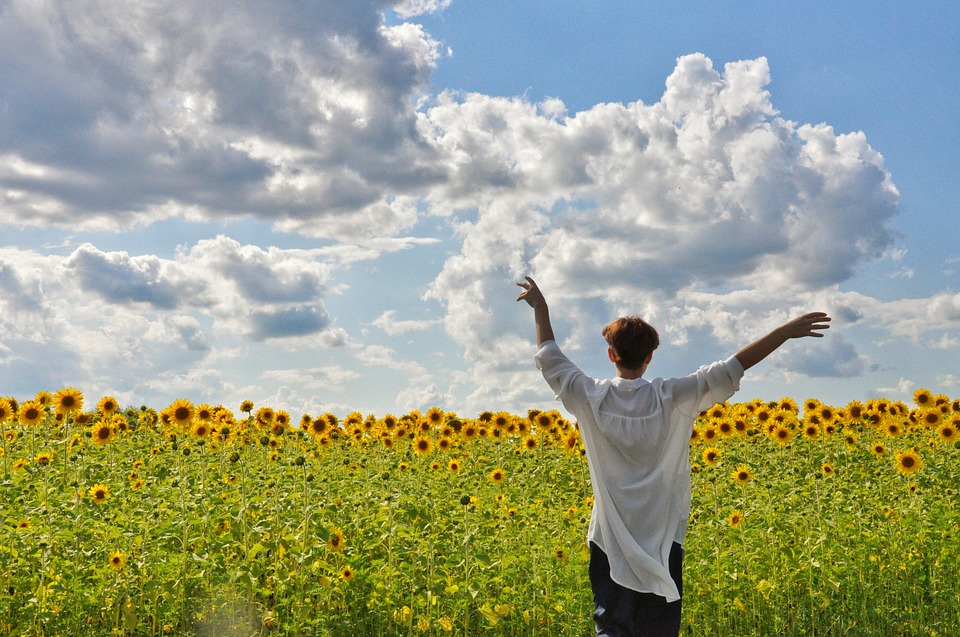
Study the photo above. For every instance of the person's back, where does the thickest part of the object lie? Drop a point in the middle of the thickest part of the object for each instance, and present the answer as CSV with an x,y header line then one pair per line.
x,y
637,439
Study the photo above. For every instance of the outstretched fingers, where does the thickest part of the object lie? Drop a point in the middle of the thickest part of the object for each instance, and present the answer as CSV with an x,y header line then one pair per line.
x,y
813,324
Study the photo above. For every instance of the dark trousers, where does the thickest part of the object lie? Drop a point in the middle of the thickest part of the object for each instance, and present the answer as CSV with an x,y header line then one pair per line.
x,y
622,612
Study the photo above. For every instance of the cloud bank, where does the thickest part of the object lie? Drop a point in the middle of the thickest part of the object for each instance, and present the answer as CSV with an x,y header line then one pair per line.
x,y
706,211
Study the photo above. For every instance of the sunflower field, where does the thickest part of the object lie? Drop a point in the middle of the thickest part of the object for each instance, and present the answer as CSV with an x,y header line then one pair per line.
x,y
808,519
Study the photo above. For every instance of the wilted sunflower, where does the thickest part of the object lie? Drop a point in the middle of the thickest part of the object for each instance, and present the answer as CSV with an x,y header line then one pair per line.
x,y
99,493
68,401
30,413
908,461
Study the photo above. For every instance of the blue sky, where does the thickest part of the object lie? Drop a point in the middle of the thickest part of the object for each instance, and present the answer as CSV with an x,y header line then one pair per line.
x,y
325,206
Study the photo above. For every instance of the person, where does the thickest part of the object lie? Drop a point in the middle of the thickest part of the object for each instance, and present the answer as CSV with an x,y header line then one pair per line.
x,y
636,434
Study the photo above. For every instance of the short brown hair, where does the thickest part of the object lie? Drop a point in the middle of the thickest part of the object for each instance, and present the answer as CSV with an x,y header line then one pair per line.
x,y
632,339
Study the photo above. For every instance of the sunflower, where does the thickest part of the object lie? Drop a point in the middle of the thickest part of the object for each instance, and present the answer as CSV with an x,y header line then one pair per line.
x,y
101,432
6,410
923,397
67,401
347,573
742,474
24,523
43,458
117,560
444,443
908,461
422,445
246,406
30,413
560,554
108,405
201,429
20,463
469,431
712,455
335,540
947,432
497,475
782,434
931,417
264,417
435,466
811,431
99,493
893,429
454,466
878,449
530,443
735,519
43,398
827,469
181,412
434,416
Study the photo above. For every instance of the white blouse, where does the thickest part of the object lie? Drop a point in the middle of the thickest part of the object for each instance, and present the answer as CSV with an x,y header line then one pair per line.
x,y
637,437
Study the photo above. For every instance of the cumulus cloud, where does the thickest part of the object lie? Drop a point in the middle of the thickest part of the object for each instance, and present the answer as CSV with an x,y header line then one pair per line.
x,y
391,326
298,113
652,207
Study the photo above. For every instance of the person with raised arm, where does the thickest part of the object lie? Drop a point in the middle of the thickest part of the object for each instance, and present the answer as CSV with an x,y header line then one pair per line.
x,y
636,434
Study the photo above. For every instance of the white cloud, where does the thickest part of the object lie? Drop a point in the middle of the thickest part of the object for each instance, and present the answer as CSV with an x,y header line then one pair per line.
x,y
391,326
648,206
297,113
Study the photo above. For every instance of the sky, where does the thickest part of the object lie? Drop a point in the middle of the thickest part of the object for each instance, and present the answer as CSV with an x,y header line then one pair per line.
x,y
325,206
